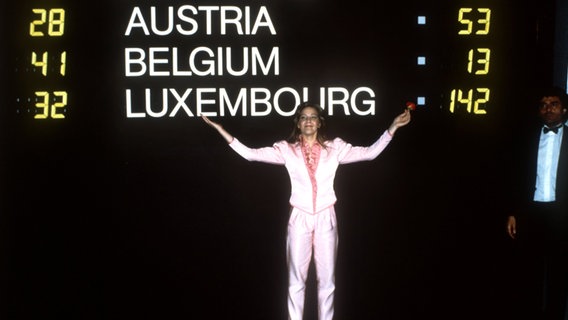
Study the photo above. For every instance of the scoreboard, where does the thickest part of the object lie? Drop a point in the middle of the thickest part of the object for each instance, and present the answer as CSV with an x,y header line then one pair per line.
x,y
176,59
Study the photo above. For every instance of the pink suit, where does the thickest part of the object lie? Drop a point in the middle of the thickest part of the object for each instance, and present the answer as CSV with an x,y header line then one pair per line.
x,y
312,227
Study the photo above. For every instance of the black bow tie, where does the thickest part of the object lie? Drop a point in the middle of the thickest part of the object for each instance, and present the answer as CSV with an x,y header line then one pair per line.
x,y
546,129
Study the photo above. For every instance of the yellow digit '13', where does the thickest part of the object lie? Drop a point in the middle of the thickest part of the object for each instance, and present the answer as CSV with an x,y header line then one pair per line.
x,y
483,62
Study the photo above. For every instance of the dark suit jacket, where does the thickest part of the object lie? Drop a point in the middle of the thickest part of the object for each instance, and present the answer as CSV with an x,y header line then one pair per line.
x,y
526,179
562,173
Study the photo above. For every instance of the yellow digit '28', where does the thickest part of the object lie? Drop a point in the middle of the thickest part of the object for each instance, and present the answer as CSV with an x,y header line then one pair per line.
x,y
55,22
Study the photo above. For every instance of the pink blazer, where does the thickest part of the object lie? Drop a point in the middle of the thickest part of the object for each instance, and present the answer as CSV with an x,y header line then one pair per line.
x,y
336,152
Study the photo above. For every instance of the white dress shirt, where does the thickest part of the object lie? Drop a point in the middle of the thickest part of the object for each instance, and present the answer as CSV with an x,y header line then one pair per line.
x,y
547,165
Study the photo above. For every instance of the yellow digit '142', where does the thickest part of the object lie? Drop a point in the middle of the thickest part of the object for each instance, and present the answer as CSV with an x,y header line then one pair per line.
x,y
473,104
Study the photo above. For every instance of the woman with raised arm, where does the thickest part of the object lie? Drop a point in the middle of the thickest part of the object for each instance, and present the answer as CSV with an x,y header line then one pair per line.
x,y
312,161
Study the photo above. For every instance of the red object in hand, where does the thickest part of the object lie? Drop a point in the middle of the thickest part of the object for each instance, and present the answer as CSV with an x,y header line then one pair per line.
x,y
410,105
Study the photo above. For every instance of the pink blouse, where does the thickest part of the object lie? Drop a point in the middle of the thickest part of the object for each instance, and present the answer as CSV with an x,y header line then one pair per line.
x,y
312,189
311,156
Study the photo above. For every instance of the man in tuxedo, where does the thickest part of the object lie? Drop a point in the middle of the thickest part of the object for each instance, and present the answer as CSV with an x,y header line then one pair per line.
x,y
541,218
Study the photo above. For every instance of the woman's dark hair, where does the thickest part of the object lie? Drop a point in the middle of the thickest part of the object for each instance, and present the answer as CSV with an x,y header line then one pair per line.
x,y
295,135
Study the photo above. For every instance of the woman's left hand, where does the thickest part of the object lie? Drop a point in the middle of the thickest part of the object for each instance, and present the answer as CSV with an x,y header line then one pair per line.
x,y
400,121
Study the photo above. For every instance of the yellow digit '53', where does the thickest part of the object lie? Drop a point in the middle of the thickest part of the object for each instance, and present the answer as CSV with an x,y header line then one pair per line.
x,y
484,23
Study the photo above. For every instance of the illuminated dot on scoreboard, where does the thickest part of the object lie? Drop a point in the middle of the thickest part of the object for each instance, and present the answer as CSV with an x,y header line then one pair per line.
x,y
421,61
421,101
421,20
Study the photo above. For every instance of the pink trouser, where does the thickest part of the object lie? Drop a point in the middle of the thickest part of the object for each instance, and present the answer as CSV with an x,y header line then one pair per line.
x,y
307,234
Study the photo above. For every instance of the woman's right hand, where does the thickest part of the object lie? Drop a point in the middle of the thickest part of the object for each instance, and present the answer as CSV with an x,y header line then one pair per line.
x,y
228,137
210,122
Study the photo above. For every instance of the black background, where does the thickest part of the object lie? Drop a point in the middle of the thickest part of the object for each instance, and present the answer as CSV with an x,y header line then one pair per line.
x,y
105,217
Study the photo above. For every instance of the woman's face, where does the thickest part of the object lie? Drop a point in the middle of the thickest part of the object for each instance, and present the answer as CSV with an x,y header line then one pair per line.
x,y
309,122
